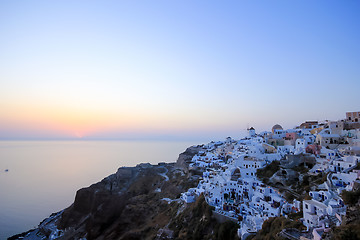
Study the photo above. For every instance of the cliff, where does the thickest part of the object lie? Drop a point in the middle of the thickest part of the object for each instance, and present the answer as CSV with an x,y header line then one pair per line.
x,y
139,202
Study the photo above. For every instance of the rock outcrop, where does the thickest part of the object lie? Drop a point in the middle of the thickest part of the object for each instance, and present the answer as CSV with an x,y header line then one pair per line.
x,y
292,161
125,205
185,158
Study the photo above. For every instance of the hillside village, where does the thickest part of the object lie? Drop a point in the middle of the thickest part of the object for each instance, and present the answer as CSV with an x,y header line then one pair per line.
x,y
297,173
301,183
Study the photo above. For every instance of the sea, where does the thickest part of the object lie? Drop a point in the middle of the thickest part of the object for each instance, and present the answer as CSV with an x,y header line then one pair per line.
x,y
38,178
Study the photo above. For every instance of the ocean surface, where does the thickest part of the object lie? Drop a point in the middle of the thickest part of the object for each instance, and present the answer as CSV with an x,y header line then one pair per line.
x,y
43,176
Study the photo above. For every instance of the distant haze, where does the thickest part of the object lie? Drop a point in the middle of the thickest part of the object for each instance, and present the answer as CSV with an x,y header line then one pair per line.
x,y
176,70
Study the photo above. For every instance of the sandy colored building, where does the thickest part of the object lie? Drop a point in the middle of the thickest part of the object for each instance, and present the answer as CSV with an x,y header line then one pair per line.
x,y
353,116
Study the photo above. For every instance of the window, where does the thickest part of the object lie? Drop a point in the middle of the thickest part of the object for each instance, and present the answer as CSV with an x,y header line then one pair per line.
x,y
306,206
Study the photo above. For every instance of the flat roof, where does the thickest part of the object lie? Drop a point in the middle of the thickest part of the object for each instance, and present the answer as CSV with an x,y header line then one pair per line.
x,y
316,203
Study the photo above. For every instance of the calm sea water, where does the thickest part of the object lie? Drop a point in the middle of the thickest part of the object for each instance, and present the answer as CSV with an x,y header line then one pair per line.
x,y
43,177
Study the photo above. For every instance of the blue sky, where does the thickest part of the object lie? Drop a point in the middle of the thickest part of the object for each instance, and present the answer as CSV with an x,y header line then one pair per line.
x,y
174,69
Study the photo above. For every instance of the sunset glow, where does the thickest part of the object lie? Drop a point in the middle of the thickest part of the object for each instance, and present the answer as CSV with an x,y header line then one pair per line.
x,y
120,70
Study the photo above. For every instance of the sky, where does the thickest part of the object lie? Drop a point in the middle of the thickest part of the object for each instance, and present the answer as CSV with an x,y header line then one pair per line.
x,y
174,70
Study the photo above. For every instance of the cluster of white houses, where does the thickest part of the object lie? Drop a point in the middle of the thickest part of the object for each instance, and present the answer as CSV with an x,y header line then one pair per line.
x,y
230,184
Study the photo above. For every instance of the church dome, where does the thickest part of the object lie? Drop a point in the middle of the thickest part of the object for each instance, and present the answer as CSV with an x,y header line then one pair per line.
x,y
276,127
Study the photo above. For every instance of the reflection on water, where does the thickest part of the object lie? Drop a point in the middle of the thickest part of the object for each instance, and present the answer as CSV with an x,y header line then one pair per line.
x,y
43,177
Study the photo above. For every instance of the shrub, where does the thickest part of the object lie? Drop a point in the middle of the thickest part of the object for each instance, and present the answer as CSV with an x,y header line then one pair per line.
x,y
348,232
269,170
296,216
274,225
350,197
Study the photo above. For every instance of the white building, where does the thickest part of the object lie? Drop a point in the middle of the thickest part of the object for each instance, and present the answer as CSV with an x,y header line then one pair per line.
x,y
344,163
251,132
300,145
328,153
344,180
312,212
284,150
189,196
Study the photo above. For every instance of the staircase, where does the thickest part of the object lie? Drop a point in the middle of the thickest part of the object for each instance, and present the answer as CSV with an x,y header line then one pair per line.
x,y
334,220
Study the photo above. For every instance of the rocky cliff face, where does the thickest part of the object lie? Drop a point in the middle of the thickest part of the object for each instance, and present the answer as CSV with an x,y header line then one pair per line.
x,y
185,157
124,205
140,202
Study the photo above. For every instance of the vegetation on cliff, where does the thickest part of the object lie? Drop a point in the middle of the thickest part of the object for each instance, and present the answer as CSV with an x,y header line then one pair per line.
x,y
273,226
350,227
196,222
350,197
291,176
267,172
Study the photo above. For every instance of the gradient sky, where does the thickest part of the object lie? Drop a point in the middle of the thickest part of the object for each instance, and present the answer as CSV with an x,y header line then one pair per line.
x,y
174,69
